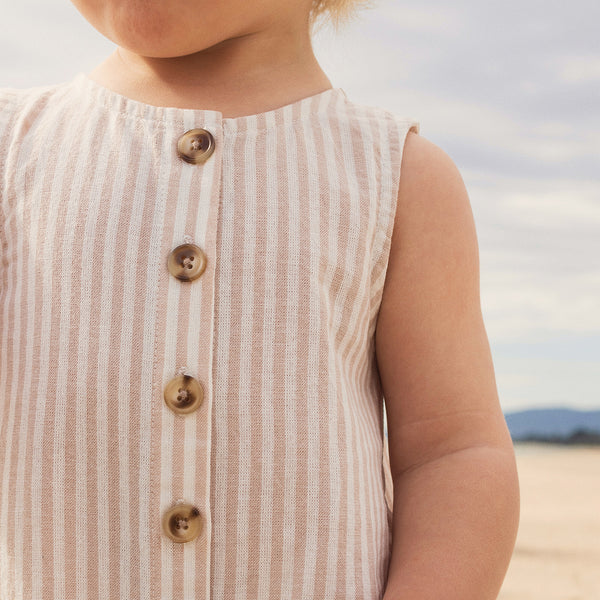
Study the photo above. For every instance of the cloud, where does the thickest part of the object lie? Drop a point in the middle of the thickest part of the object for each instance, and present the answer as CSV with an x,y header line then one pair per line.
x,y
536,379
579,69
539,249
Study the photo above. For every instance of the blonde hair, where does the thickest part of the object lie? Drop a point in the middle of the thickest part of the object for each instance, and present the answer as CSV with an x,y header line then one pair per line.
x,y
336,12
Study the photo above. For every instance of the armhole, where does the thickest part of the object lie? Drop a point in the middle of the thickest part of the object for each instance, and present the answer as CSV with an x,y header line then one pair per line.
x,y
8,106
387,478
397,141
394,132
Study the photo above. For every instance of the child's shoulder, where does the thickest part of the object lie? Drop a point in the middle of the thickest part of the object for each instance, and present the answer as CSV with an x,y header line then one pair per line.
x,y
21,110
13,96
15,101
362,112
11,99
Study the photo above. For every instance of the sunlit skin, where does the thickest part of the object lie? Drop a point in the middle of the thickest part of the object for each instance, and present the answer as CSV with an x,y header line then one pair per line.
x,y
456,492
234,56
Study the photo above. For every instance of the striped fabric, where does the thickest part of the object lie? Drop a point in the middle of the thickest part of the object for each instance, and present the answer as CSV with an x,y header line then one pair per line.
x,y
285,458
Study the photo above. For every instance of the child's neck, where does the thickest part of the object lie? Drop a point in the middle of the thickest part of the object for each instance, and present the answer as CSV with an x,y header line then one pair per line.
x,y
238,77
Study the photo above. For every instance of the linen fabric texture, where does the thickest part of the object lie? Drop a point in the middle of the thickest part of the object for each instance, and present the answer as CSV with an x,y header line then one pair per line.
x,y
286,457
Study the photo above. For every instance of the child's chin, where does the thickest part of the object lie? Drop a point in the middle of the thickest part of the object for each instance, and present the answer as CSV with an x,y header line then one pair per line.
x,y
159,46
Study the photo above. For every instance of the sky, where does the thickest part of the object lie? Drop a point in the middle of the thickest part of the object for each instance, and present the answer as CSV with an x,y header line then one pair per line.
x,y
511,91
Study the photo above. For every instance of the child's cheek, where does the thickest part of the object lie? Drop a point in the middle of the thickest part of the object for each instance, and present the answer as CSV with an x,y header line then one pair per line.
x,y
146,27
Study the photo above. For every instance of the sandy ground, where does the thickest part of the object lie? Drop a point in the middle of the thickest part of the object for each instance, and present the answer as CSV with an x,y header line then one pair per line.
x,y
557,555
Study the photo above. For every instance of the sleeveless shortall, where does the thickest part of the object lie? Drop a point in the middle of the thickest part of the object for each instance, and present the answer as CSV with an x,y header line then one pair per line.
x,y
190,406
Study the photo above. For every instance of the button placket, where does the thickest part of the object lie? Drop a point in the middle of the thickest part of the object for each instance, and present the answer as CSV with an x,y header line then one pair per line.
x,y
183,394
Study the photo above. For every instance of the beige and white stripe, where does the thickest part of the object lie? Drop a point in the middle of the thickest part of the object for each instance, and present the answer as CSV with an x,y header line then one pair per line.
x,y
285,457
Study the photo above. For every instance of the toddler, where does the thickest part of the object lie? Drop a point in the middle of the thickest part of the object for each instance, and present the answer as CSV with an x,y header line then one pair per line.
x,y
214,268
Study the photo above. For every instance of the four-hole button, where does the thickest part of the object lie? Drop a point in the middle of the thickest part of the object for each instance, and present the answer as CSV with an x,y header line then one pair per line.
x,y
186,262
196,146
182,522
183,394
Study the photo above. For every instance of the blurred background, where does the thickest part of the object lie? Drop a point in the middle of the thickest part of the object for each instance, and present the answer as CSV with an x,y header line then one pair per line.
x,y
511,91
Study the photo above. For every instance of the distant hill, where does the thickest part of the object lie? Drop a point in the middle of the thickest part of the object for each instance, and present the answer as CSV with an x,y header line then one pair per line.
x,y
556,425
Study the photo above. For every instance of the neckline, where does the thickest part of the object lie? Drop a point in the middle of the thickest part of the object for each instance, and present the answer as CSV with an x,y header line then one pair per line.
x,y
136,109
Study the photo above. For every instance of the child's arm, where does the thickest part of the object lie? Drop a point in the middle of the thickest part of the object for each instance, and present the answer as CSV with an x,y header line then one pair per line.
x,y
456,497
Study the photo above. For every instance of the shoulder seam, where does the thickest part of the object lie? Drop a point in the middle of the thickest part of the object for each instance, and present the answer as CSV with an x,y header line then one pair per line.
x,y
367,111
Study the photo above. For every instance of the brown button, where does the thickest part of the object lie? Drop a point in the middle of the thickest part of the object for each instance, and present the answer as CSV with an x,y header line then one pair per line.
x,y
182,522
186,262
196,146
184,394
